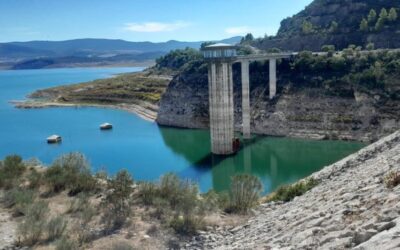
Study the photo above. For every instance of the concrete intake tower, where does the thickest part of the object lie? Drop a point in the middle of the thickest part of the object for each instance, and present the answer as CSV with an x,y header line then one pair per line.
x,y
220,89
220,58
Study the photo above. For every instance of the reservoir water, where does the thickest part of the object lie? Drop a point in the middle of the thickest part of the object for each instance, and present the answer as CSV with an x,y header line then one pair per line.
x,y
145,149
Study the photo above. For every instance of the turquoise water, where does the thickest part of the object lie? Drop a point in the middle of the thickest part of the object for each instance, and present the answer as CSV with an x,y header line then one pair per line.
x,y
145,149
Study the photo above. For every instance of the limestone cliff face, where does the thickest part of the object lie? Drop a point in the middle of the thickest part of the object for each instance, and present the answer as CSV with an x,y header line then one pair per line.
x,y
185,103
347,14
295,112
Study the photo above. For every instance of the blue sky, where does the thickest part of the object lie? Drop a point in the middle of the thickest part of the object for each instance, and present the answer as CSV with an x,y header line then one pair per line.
x,y
142,20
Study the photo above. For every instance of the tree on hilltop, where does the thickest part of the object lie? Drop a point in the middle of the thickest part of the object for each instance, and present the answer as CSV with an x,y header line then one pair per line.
x,y
384,14
372,16
392,15
364,25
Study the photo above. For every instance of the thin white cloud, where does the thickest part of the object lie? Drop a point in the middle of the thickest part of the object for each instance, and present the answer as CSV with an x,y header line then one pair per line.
x,y
243,30
155,26
240,30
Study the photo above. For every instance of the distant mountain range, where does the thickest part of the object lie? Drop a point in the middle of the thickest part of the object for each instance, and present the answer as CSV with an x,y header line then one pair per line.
x,y
44,54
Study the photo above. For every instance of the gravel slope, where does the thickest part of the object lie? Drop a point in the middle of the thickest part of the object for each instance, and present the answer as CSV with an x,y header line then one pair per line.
x,y
350,208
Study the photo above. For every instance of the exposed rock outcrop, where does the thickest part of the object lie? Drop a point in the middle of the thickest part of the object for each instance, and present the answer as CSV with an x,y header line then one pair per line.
x,y
296,112
350,208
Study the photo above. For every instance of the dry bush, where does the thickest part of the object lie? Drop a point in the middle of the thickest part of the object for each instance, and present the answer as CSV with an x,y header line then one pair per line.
x,y
56,228
392,179
148,192
213,201
82,227
35,179
79,203
19,199
117,203
170,188
288,192
31,230
244,192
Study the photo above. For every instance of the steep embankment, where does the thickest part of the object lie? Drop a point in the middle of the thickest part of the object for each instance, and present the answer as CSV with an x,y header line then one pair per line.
x,y
351,207
352,95
337,22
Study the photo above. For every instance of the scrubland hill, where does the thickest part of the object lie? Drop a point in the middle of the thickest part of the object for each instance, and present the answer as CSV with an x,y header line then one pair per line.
x,y
338,22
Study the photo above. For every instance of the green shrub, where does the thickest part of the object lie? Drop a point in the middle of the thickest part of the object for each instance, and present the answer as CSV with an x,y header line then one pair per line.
x,y
392,179
11,169
33,226
79,203
102,175
189,214
55,178
82,226
55,228
186,226
117,202
162,209
35,179
148,192
70,171
170,188
244,192
212,201
370,46
19,199
288,192
328,48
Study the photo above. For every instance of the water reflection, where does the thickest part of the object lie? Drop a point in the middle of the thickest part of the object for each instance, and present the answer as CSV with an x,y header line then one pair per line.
x,y
275,160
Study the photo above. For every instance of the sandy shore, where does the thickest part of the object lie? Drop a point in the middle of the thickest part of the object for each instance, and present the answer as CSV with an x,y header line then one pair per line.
x,y
144,110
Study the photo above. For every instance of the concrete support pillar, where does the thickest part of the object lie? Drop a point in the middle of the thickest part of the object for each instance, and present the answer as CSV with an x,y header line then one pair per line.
x,y
272,78
245,99
221,107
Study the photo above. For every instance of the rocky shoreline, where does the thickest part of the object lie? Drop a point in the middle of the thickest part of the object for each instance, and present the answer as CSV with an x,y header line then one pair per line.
x,y
350,208
144,110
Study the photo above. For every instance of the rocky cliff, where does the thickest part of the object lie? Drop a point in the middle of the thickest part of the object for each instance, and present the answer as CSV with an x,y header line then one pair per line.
x,y
314,100
336,22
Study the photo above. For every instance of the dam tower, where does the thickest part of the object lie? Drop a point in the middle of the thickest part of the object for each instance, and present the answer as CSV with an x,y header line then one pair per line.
x,y
220,58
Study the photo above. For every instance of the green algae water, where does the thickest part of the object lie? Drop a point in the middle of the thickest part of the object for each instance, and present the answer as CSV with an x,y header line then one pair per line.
x,y
144,148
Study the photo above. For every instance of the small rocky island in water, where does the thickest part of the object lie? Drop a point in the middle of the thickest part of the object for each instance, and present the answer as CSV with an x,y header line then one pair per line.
x,y
342,82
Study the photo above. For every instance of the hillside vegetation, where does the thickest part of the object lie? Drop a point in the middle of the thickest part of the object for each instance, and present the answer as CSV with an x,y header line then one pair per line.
x,y
339,23
65,206
125,88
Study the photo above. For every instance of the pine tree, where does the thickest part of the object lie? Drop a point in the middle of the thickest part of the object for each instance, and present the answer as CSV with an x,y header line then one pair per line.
x,y
372,16
384,14
364,25
307,27
333,27
379,24
392,15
